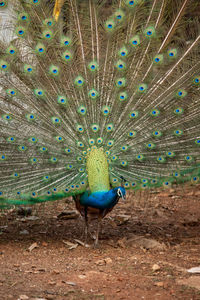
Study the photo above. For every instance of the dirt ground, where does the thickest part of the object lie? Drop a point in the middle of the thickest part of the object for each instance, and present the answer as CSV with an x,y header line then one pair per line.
x,y
147,245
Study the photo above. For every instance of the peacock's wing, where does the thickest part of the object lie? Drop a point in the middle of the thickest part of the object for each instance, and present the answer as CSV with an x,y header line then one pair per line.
x,y
124,77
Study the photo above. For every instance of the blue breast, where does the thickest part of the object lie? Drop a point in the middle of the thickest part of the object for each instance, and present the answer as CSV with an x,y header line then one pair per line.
x,y
101,200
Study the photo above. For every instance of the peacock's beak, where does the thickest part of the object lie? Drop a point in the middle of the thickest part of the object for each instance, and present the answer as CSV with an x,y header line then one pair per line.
x,y
124,197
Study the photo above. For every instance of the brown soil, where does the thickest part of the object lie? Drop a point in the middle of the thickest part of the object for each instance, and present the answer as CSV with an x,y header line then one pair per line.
x,y
147,245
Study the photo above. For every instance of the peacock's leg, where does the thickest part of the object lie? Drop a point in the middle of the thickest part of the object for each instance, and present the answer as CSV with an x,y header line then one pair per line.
x,y
86,225
98,229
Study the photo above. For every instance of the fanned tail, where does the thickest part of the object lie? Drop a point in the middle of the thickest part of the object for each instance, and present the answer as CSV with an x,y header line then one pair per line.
x,y
84,74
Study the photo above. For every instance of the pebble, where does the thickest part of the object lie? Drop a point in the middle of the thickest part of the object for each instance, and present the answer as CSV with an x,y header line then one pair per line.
x,y
44,244
70,283
52,282
56,272
108,260
82,276
120,278
24,232
23,297
132,258
155,267
159,284
32,218
100,262
42,270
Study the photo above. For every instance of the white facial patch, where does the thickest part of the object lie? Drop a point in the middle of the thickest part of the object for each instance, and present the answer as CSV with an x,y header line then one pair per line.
x,y
119,193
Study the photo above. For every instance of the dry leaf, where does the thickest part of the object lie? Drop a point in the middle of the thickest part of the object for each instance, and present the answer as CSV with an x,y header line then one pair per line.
x,y
33,246
82,243
71,245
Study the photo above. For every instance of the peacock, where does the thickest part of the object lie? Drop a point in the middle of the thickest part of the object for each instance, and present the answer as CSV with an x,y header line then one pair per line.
x,y
97,97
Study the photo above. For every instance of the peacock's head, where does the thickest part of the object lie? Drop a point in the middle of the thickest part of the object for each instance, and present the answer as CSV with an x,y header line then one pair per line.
x,y
121,192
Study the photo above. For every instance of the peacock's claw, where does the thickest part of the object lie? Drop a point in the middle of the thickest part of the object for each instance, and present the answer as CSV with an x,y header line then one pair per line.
x,y
96,245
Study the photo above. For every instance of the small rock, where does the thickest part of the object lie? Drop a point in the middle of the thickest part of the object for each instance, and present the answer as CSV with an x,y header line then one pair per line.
x,y
108,260
120,278
163,194
32,218
28,271
82,276
24,232
155,267
160,284
52,282
133,258
56,272
100,262
39,298
44,244
42,270
70,283
23,297
119,258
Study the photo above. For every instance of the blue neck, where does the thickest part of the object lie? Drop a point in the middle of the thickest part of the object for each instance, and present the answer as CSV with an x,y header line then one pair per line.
x,y
101,200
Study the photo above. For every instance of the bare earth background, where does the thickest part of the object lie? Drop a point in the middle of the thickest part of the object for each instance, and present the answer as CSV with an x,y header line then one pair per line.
x,y
147,245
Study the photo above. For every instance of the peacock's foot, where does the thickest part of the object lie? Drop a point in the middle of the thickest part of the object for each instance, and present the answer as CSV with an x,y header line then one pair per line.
x,y
92,236
96,243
